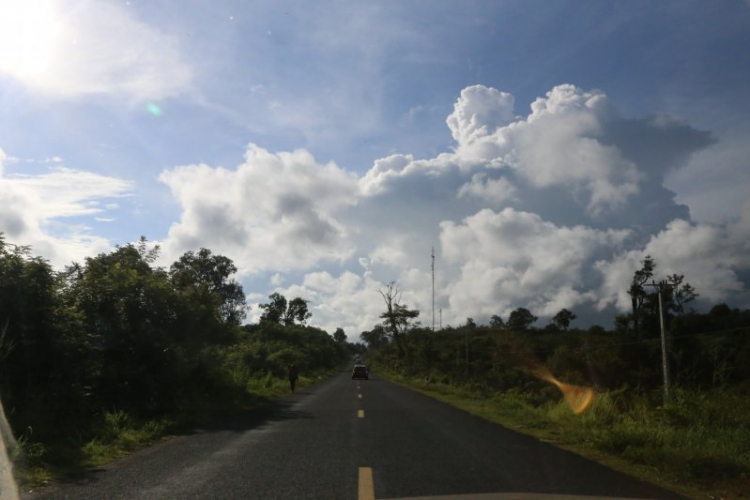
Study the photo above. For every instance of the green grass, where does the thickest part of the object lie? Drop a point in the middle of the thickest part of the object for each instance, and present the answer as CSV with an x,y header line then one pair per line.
x,y
119,434
701,439
113,435
698,445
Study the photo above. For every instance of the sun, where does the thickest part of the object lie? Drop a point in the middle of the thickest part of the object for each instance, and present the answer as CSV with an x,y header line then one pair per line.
x,y
29,30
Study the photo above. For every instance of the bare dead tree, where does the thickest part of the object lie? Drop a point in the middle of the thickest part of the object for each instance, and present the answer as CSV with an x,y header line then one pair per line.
x,y
397,316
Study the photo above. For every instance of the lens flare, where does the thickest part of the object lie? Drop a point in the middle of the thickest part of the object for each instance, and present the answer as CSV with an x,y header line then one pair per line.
x,y
8,488
579,398
154,109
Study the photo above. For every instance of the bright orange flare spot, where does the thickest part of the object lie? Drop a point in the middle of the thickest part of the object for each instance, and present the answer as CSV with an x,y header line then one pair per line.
x,y
578,398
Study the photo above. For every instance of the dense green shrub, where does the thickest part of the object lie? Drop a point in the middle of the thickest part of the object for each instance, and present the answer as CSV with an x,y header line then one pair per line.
x,y
97,349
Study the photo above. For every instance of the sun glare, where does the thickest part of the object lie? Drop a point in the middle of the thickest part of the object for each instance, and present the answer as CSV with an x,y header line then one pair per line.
x,y
28,33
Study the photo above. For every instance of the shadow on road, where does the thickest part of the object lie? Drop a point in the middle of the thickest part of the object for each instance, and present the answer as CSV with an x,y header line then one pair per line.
x,y
216,431
257,418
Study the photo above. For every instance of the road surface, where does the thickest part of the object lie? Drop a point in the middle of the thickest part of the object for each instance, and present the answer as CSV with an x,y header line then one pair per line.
x,y
345,439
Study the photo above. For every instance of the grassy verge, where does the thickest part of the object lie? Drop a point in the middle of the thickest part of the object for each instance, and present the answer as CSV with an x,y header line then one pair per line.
x,y
698,446
115,434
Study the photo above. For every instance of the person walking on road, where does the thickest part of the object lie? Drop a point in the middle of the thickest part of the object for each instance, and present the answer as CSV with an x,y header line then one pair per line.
x,y
293,376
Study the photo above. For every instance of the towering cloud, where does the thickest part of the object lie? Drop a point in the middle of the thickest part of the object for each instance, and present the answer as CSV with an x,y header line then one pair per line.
x,y
546,210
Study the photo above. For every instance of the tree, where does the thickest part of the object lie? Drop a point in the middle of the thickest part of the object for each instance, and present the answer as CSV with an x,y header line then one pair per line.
x,y
562,319
339,335
283,312
720,310
297,311
43,361
681,294
520,319
275,310
144,324
497,322
597,330
375,338
637,292
397,317
645,305
208,276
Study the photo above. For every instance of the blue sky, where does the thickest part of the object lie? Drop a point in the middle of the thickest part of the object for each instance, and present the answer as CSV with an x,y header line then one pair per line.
x,y
636,145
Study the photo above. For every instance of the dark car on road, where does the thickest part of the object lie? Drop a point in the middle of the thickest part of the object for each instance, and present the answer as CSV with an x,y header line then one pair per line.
x,y
360,371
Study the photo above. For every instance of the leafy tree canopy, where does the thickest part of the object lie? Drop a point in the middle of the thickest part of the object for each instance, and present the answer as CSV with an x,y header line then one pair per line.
x,y
209,276
288,313
339,335
497,322
521,319
563,319
375,338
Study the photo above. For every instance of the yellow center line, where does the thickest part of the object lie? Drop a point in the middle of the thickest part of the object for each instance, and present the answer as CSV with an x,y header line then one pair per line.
x,y
366,486
361,413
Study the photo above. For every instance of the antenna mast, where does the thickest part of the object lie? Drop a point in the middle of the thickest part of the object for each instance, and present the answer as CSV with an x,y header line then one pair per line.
x,y
433,288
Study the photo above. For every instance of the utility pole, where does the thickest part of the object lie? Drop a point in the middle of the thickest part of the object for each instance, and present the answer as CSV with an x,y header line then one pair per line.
x,y
466,329
441,318
433,288
664,355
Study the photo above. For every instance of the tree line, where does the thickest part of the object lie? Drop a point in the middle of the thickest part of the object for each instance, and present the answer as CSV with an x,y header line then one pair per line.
x,y
117,333
704,349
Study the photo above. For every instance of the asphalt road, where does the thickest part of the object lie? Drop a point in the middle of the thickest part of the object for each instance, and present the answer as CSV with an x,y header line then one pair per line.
x,y
345,439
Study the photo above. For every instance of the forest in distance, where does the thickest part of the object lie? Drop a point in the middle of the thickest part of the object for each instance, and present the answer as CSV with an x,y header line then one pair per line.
x,y
115,352
704,350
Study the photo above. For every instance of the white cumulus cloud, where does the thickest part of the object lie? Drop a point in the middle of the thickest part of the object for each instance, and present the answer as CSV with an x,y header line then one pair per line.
x,y
274,211
488,189
478,113
713,258
561,143
35,209
549,210
515,257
